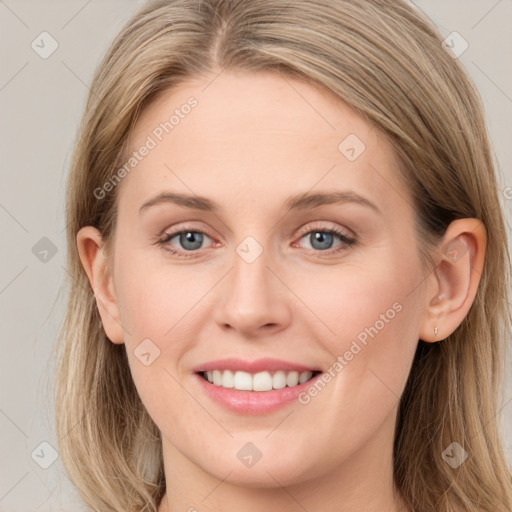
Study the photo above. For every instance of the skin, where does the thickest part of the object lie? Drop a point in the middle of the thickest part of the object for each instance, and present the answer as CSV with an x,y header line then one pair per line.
x,y
253,140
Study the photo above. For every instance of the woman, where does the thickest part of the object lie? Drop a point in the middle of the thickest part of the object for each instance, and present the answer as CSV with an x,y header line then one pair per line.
x,y
289,266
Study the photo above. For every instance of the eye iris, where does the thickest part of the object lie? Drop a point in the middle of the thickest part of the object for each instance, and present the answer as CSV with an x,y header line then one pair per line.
x,y
320,236
190,236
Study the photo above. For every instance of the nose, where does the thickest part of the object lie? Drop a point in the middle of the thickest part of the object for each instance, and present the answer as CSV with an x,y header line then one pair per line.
x,y
254,299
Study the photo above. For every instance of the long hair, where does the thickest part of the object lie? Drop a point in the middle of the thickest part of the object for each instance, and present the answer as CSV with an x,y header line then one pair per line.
x,y
385,60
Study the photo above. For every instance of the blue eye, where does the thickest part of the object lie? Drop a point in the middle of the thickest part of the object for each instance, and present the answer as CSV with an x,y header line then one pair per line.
x,y
191,240
324,239
321,240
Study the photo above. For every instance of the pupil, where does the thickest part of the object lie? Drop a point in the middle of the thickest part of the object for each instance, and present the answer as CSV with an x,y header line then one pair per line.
x,y
321,237
188,237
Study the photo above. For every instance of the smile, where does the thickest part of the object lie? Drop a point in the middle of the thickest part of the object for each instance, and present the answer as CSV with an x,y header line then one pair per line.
x,y
260,381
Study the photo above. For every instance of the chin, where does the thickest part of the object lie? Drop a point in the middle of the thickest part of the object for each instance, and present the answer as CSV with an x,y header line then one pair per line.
x,y
269,473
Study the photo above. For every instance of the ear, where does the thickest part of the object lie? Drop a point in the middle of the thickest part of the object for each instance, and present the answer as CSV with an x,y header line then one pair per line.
x,y
454,281
95,262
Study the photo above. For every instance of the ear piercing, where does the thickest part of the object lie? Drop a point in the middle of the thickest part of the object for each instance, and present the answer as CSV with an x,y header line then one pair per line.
x,y
436,331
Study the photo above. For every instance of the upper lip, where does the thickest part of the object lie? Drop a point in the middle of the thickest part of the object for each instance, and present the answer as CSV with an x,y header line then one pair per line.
x,y
259,365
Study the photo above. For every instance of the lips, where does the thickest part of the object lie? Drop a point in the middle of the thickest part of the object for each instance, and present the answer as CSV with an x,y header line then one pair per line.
x,y
253,402
254,387
259,365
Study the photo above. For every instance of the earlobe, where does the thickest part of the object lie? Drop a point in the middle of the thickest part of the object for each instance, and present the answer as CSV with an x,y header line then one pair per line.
x,y
455,278
95,262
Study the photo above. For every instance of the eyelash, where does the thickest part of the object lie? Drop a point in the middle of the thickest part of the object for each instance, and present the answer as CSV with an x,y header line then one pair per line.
x,y
347,242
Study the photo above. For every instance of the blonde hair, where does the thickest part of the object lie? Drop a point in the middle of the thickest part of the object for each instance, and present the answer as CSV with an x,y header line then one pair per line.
x,y
385,60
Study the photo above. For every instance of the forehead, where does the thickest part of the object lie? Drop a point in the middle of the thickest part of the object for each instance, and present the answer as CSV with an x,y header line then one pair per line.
x,y
257,137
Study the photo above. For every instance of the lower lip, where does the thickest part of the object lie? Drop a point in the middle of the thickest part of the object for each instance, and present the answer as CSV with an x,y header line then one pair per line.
x,y
253,402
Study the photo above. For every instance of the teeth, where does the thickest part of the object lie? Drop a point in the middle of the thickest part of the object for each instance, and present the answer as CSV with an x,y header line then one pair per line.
x,y
261,381
304,376
279,380
217,377
243,381
228,379
292,379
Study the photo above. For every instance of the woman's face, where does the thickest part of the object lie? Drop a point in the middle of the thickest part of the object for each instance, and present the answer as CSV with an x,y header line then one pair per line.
x,y
260,275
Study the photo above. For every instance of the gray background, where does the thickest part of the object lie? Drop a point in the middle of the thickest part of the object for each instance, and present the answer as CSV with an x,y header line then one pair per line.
x,y
41,101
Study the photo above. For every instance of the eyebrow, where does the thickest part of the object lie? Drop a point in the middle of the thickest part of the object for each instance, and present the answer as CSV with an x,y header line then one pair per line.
x,y
297,202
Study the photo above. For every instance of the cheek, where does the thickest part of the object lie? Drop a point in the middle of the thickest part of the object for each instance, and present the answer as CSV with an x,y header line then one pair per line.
x,y
362,300
374,318
154,299
164,310
153,305
369,322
